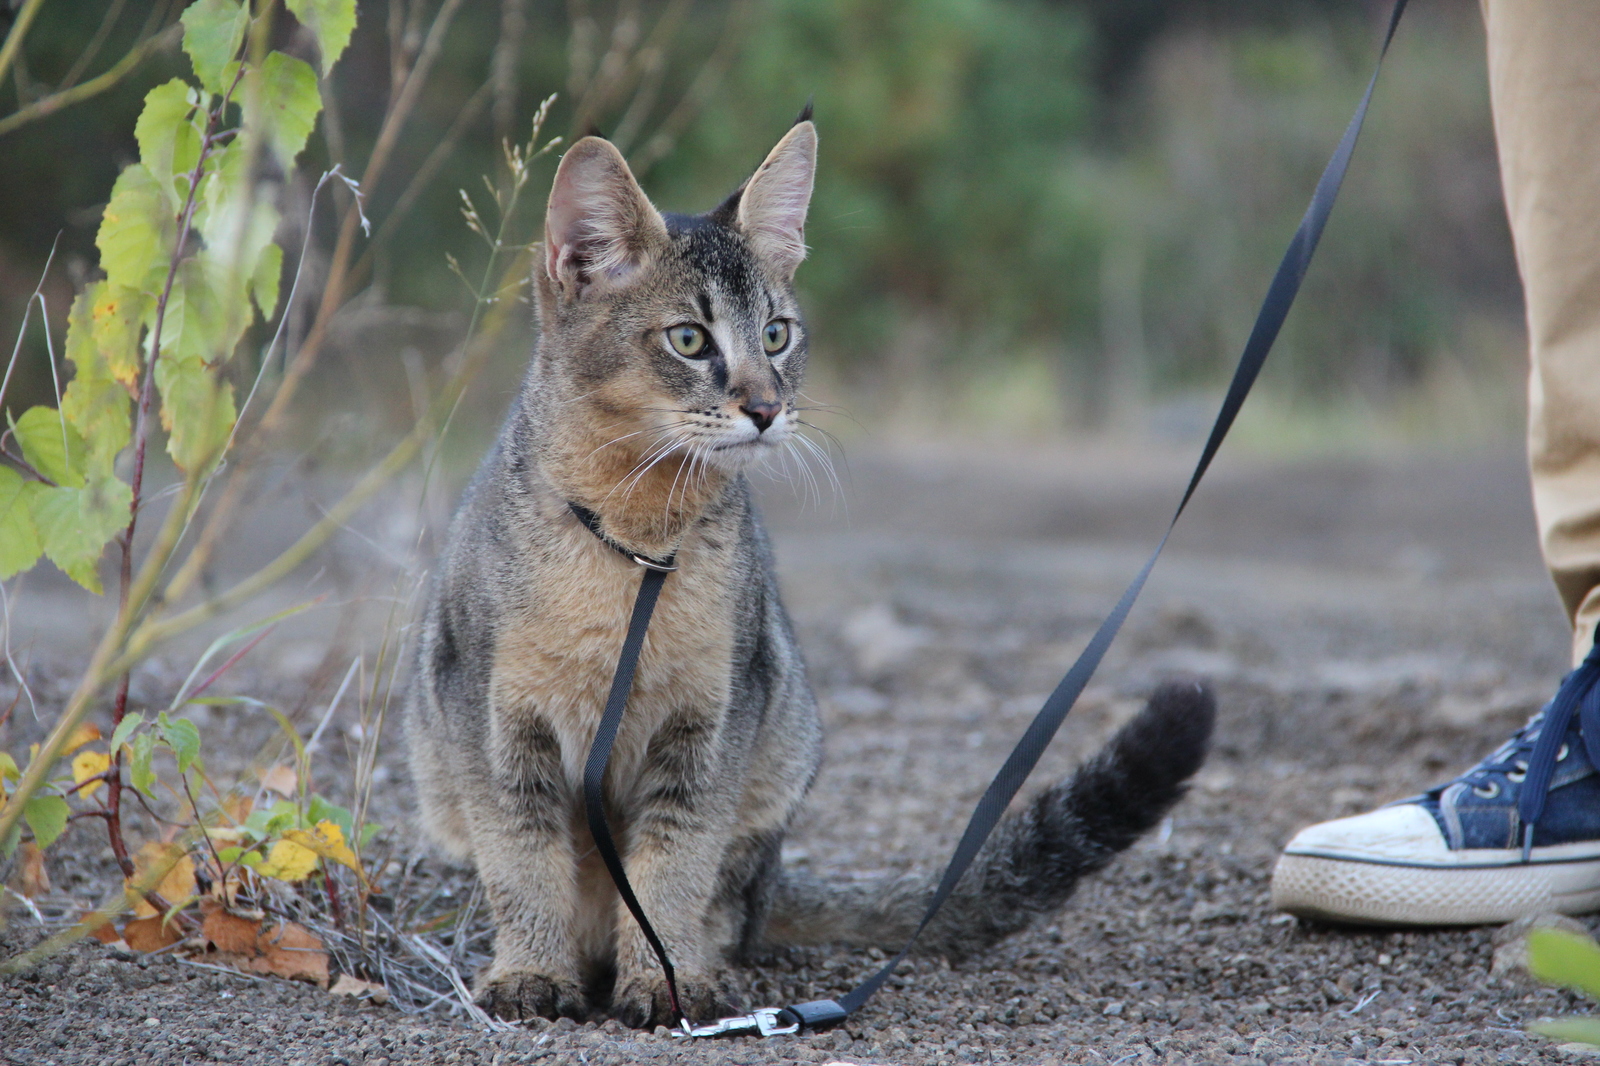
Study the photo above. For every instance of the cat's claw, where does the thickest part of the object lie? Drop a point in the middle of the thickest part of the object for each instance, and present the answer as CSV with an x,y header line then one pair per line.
x,y
643,1002
521,995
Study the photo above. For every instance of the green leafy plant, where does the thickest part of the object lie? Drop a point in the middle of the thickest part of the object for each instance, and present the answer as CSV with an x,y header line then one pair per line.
x,y
1570,960
190,265
188,257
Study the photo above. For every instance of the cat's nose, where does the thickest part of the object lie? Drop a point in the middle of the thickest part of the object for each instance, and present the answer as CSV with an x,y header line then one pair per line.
x,y
762,412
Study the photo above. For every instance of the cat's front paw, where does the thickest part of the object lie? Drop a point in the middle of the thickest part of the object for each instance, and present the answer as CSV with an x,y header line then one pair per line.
x,y
643,1002
523,994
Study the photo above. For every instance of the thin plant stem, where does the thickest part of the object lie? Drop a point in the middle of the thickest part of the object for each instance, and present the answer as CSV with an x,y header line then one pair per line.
x,y
333,297
141,443
503,66
518,163
46,106
19,30
430,166
92,49
706,81
155,632
27,309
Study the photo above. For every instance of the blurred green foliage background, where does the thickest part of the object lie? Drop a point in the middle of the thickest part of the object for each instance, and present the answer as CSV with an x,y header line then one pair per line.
x,y
1031,214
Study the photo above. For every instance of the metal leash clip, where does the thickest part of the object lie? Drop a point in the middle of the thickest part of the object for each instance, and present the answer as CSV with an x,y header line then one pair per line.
x,y
767,1021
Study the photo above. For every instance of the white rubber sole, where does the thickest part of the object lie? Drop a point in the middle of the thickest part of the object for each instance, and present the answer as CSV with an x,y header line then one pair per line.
x,y
1370,893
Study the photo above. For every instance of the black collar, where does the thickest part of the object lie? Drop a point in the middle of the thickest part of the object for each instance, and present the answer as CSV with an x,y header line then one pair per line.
x,y
591,522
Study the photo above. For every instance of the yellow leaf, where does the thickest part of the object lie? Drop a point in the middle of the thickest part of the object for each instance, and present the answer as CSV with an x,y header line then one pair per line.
x,y
102,345
87,764
327,840
164,869
287,861
82,735
118,315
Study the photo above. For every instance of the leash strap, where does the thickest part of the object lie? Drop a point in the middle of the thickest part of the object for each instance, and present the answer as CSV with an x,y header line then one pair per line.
x,y
1269,320
825,1013
605,737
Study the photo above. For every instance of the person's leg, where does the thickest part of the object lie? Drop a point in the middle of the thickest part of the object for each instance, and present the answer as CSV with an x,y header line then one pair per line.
x,y
1544,80
1519,832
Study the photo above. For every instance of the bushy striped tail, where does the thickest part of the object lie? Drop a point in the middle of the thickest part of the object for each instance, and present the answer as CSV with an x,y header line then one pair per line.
x,y
1034,860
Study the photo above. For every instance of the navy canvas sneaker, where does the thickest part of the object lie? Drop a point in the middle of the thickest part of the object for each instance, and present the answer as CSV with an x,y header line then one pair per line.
x,y
1517,834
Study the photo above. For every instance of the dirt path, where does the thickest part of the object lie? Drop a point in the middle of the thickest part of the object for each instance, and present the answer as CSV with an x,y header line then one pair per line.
x,y
1370,628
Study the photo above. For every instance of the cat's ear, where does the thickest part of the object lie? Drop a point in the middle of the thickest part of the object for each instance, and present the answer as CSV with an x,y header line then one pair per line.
x,y
600,230
772,204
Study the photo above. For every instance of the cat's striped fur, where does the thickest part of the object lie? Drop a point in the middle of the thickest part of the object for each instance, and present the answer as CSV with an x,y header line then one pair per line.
x,y
721,738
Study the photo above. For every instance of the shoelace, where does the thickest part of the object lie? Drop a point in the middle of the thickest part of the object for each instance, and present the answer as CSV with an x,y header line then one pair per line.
x,y
1511,760
1542,739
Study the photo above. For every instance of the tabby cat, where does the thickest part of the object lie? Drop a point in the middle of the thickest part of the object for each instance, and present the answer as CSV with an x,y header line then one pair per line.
x,y
670,351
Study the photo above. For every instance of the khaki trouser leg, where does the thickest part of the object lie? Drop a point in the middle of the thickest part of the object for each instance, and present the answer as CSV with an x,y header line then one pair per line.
x,y
1544,82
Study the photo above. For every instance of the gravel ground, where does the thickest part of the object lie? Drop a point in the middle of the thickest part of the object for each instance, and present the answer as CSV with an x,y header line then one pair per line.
x,y
1370,626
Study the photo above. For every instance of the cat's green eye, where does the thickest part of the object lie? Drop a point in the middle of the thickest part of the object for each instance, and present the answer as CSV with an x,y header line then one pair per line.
x,y
775,338
688,341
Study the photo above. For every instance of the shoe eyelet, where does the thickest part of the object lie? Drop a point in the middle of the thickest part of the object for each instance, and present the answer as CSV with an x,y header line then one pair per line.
x,y
1562,754
1490,792
1516,776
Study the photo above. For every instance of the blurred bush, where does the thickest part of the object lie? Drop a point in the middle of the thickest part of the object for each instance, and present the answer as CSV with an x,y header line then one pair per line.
x,y
1074,204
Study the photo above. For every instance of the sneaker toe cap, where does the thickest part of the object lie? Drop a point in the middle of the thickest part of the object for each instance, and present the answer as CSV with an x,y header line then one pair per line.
x,y
1402,833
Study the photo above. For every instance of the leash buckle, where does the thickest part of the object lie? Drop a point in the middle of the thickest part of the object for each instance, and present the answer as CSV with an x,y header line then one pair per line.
x,y
657,565
766,1021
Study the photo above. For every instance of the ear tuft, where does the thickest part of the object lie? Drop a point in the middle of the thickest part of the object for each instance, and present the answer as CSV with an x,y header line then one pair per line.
x,y
773,203
805,112
600,229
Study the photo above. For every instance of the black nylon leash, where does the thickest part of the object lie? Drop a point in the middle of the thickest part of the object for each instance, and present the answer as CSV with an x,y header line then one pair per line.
x,y
605,735
824,1013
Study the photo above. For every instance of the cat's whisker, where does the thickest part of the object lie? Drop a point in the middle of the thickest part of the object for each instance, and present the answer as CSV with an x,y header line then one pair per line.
x,y
805,484
625,436
698,468
794,470
677,443
811,476
832,440
686,473
797,475
636,476
642,467
706,465
825,459
656,449
774,471
826,454
812,404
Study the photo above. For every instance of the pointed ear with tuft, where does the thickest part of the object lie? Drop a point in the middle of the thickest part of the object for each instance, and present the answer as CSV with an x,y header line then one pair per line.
x,y
600,230
772,205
